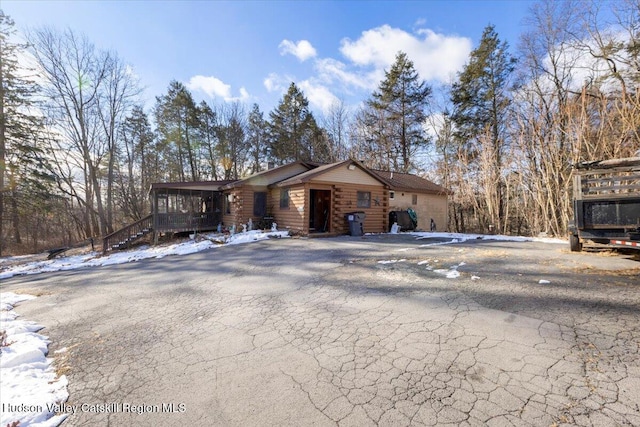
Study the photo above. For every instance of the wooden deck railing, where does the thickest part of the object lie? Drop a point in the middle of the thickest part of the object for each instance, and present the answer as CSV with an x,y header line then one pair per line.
x,y
124,236
178,221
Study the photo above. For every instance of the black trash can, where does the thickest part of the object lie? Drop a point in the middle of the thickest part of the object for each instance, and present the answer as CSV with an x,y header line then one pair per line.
x,y
356,223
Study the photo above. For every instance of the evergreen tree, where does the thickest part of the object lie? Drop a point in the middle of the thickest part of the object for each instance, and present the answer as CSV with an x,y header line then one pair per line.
x,y
209,131
293,132
25,183
256,138
177,122
139,158
481,99
400,102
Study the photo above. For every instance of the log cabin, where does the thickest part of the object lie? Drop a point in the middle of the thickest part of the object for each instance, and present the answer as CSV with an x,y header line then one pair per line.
x,y
306,198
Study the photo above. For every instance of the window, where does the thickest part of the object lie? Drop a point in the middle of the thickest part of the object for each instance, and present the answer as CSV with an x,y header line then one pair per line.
x,y
392,195
284,198
364,199
260,204
414,199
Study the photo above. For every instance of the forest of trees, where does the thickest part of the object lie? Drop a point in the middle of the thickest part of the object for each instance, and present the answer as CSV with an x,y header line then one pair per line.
x,y
78,150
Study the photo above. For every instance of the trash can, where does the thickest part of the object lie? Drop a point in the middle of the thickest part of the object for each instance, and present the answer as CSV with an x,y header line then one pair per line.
x,y
356,223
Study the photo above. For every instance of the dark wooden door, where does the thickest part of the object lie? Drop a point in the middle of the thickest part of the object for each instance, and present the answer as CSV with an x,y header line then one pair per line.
x,y
320,210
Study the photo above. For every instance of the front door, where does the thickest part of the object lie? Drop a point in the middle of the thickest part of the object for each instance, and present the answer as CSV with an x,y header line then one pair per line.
x,y
320,211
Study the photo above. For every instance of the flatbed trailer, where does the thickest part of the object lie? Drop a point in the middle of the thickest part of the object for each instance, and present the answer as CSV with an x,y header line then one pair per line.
x,y
606,204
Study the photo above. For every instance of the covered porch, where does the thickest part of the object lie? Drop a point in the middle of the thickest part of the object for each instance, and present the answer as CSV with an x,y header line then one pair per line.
x,y
186,206
175,207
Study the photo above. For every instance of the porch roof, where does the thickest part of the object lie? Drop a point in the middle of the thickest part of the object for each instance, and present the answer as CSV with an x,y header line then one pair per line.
x,y
190,185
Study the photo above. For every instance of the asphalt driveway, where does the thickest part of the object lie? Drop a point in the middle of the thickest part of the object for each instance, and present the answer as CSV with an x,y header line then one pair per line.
x,y
381,330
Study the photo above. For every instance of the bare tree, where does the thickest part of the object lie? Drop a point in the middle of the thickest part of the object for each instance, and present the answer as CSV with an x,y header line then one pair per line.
x,y
115,100
87,93
336,124
232,147
549,63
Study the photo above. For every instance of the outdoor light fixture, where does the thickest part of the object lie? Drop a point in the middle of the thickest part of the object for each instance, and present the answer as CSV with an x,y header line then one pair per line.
x,y
351,167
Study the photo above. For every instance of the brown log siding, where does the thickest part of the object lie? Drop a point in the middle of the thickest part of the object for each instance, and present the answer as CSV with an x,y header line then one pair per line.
x,y
344,199
295,217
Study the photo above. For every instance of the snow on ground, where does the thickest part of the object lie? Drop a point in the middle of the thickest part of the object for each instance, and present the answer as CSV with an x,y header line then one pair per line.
x,y
391,261
30,388
450,238
460,237
94,259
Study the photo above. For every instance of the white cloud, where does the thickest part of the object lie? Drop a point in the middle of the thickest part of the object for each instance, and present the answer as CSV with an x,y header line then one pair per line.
x,y
318,95
435,56
330,70
210,85
302,50
216,88
275,82
272,82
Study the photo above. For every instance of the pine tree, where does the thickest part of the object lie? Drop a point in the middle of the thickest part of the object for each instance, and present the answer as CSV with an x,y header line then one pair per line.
x,y
138,158
400,102
25,181
481,100
256,138
209,131
177,121
293,132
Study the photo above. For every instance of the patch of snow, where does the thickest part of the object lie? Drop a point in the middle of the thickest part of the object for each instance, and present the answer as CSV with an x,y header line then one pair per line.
x,y
543,282
94,259
29,382
439,243
461,237
450,273
391,261
475,278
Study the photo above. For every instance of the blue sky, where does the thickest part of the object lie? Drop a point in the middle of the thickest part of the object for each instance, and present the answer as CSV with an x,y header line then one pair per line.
x,y
252,50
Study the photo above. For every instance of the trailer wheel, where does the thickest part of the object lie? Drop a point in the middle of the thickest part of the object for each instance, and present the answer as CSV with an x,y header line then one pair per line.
x,y
574,243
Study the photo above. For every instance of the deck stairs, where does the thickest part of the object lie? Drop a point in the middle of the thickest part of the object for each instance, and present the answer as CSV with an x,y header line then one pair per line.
x,y
122,239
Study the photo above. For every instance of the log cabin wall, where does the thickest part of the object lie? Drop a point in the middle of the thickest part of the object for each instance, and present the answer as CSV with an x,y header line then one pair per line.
x,y
345,201
294,217
347,180
232,209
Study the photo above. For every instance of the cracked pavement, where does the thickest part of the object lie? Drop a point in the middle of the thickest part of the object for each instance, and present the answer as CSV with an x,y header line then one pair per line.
x,y
318,332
